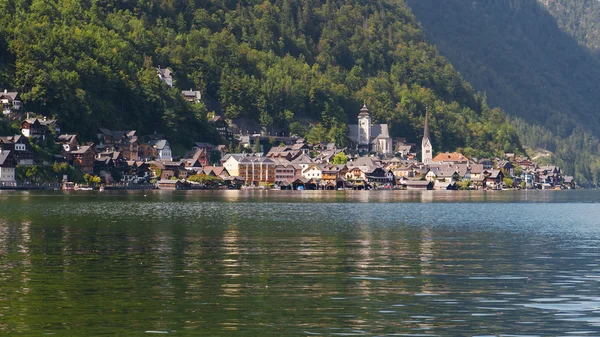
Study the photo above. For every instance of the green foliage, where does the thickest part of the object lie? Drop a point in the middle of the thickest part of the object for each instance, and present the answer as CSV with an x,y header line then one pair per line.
x,y
205,179
340,158
508,182
91,179
464,184
277,64
43,174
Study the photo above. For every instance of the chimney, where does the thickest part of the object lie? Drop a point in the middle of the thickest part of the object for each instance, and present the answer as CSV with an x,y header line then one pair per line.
x,y
28,115
5,91
44,118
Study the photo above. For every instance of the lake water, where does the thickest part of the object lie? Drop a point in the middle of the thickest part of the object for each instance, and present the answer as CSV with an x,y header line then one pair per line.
x,y
257,263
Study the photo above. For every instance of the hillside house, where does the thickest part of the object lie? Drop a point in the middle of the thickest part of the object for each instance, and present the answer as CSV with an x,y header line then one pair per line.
x,y
10,102
8,164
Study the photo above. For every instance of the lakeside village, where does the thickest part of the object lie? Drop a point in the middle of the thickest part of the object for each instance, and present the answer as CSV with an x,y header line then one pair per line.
x,y
42,157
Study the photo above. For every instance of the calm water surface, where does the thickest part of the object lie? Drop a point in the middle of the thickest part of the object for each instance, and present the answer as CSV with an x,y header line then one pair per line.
x,y
256,263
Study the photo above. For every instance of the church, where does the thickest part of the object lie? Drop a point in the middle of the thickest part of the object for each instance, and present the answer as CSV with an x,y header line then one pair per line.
x,y
367,137
426,147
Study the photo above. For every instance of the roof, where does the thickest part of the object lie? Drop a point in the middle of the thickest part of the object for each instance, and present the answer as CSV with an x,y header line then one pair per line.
x,y
426,128
303,159
476,168
12,95
67,138
4,155
159,144
191,93
450,157
82,149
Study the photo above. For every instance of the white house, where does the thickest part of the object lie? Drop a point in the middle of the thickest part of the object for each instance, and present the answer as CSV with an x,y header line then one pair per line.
x,y
163,149
313,171
8,163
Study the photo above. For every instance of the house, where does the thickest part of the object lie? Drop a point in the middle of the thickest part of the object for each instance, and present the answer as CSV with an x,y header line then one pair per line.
x,y
474,172
192,96
8,164
231,162
68,142
173,184
304,161
10,102
83,157
163,149
136,172
22,149
334,176
313,171
447,175
450,158
39,127
126,142
173,169
379,175
287,171
284,152
507,166
198,156
413,184
222,127
257,170
494,179
165,75
367,137
488,164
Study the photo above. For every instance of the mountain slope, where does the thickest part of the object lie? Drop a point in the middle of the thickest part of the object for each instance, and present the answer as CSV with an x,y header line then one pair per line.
x,y
279,63
527,64
579,19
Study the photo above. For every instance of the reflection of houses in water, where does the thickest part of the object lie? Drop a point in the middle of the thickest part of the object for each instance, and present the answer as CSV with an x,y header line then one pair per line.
x,y
231,262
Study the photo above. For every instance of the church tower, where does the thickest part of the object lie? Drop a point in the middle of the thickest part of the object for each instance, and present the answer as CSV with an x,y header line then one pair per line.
x,y
426,148
364,128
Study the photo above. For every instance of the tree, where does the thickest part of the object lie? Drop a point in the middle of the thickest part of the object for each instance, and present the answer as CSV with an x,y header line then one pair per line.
x,y
508,182
340,158
464,184
256,148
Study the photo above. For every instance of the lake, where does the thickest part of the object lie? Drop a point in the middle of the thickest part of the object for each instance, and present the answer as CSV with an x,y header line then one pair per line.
x,y
310,263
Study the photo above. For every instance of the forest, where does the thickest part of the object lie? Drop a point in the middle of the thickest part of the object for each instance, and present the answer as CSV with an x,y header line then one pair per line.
x,y
537,60
283,64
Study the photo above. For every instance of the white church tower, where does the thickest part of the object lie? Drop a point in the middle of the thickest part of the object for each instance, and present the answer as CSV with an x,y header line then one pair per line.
x,y
364,129
426,148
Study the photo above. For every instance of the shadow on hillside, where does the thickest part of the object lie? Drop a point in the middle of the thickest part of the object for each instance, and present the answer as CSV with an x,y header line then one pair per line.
x,y
516,52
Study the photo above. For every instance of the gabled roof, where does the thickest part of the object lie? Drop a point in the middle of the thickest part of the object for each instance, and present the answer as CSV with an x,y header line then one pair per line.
x,y
450,157
5,154
159,144
82,149
303,159
11,95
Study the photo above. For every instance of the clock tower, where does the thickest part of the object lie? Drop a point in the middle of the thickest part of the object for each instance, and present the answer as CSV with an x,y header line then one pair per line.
x,y
364,128
426,148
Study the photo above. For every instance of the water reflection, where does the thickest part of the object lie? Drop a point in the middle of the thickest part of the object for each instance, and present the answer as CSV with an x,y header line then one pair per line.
x,y
262,264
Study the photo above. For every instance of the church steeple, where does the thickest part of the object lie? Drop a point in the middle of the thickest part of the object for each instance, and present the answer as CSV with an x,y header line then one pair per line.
x,y
426,147
426,129
364,128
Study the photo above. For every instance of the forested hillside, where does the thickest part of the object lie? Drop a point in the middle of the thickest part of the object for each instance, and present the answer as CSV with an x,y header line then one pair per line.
x,y
581,19
285,64
530,66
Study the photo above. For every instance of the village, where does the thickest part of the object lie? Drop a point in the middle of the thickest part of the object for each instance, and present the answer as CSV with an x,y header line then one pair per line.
x,y
124,159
